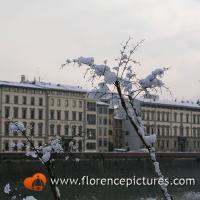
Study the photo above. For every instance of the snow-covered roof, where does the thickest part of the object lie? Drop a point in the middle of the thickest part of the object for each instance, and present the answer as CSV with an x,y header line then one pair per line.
x,y
43,85
180,104
102,103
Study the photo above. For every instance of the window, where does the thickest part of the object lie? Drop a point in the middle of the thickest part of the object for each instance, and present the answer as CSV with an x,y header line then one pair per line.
x,y
32,101
80,130
187,118
80,114
163,116
6,128
66,103
73,130
105,132
100,143
167,143
58,129
73,115
105,143
24,111
6,145
194,119
167,117
24,100
100,131
175,144
32,130
40,114
32,113
100,120
15,99
91,134
91,119
187,131
66,129
91,145
39,143
102,110
175,117
175,131
91,106
15,147
7,112
40,101
51,129
52,114
158,143
152,115
7,98
167,131
80,104
15,112
58,102
105,121
158,130
158,116
147,115
52,102
25,125
66,115
181,117
40,129
163,130
74,103
58,115
181,130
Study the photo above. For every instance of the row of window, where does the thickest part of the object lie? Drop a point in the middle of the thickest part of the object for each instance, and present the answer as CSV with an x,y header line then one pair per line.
x,y
103,143
7,145
66,103
57,129
74,130
23,100
102,131
23,113
64,115
162,144
167,116
91,146
102,110
33,128
176,131
103,121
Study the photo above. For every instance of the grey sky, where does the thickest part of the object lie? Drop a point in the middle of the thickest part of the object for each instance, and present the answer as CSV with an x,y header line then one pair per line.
x,y
36,36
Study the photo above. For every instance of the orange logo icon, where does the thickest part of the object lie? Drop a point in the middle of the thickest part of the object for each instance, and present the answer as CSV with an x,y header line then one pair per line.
x,y
36,182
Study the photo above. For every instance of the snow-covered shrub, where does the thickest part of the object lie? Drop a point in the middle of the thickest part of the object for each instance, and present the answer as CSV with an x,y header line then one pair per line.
x,y
120,84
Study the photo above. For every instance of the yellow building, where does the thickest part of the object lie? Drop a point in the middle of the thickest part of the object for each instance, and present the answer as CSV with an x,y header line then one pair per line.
x,y
50,110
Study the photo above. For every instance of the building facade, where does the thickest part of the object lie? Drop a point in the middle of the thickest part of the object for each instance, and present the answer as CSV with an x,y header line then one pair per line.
x,y
177,125
50,110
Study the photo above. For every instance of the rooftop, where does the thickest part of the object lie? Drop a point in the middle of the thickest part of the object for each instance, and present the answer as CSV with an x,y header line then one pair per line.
x,y
43,85
168,103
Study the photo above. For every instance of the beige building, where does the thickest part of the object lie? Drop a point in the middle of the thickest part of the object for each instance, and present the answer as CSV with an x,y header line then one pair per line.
x,y
51,110
177,125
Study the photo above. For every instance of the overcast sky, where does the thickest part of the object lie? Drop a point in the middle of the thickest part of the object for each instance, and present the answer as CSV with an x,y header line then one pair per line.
x,y
36,36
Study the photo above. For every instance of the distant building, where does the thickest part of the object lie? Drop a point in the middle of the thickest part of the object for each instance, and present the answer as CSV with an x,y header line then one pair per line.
x,y
51,110
177,125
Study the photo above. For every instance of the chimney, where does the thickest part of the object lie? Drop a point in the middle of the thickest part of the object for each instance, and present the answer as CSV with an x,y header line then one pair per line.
x,y
23,78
